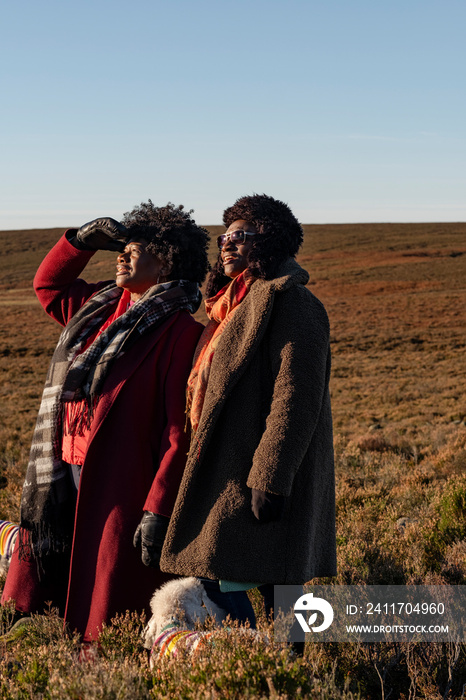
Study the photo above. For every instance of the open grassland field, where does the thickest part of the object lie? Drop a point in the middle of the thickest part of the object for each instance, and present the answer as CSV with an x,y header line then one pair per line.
x,y
396,298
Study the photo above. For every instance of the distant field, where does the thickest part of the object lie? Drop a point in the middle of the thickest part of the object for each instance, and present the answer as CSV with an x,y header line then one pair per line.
x,y
395,295
396,298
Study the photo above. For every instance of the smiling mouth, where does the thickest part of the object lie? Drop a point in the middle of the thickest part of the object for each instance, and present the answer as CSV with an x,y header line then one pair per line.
x,y
122,270
229,258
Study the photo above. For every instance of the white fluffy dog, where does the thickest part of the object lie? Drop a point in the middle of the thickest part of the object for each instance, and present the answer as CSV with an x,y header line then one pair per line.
x,y
176,608
179,603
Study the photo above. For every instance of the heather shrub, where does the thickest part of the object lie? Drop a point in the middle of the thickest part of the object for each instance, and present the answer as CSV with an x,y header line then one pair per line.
x,y
123,637
398,401
397,670
452,510
6,612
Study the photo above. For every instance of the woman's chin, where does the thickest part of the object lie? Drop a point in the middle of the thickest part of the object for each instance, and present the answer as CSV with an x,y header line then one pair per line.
x,y
121,281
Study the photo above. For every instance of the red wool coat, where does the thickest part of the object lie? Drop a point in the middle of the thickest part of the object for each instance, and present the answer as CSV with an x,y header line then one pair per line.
x,y
134,462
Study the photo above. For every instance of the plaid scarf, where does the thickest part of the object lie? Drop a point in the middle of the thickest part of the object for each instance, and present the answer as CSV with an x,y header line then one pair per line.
x,y
47,504
219,309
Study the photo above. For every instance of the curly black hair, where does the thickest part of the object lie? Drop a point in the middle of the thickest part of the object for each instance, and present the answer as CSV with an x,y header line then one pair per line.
x,y
280,236
173,236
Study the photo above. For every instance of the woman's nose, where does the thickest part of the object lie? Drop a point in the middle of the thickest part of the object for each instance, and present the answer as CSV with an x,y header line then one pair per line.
x,y
228,243
122,256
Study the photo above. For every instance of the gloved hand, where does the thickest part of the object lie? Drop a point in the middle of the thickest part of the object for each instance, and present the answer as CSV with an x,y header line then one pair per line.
x,y
267,507
150,534
103,234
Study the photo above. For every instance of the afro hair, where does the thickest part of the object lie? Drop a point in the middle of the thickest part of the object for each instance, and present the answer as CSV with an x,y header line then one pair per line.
x,y
280,236
173,236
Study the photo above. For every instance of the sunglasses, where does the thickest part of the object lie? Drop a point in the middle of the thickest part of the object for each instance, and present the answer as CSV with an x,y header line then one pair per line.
x,y
238,236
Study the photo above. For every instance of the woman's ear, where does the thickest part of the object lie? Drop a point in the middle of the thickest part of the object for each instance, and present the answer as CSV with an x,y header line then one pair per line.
x,y
165,271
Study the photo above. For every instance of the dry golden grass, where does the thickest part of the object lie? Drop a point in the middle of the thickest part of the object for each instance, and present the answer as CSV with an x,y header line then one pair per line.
x,y
396,298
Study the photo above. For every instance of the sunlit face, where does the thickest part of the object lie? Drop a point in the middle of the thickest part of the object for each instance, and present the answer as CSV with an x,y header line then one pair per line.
x,y
137,269
234,255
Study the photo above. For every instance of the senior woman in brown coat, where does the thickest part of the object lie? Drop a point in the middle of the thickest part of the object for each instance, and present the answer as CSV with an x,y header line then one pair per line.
x,y
256,503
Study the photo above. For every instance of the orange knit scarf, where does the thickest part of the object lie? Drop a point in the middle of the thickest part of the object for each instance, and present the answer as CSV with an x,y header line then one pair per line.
x,y
219,309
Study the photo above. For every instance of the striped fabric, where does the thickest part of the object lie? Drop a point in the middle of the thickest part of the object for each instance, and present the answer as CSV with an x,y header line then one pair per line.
x,y
173,639
8,534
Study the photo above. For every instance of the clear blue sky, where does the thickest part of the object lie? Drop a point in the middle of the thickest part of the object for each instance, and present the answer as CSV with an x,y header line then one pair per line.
x,y
349,110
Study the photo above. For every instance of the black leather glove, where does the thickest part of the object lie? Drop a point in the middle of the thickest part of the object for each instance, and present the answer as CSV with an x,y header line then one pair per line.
x,y
103,234
150,534
267,507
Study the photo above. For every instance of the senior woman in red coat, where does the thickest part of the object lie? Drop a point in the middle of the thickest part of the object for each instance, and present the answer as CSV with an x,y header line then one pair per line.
x,y
110,444
257,500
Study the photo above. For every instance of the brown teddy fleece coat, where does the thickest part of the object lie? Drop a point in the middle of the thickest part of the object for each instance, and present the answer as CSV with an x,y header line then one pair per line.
x,y
266,424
